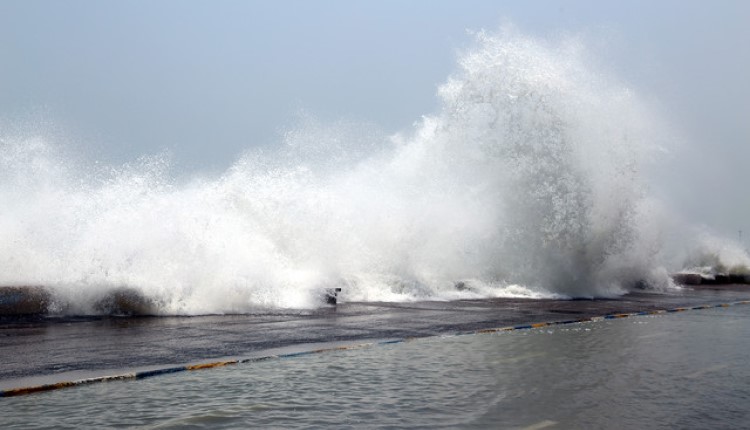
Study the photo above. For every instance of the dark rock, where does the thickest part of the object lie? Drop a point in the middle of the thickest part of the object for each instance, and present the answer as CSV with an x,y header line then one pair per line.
x,y
125,301
24,301
688,278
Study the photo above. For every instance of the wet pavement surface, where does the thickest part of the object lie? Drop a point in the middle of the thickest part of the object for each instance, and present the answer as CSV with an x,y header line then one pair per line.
x,y
49,349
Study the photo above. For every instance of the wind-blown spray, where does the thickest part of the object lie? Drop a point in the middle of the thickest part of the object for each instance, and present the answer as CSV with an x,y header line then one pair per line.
x,y
526,182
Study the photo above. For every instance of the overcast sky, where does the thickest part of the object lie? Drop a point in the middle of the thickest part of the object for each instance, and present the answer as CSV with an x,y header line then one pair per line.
x,y
208,79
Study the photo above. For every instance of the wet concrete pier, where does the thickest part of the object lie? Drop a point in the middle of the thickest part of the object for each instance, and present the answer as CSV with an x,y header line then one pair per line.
x,y
46,349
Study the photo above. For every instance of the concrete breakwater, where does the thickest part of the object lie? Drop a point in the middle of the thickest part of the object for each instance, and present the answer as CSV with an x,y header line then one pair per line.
x,y
26,301
691,278
21,301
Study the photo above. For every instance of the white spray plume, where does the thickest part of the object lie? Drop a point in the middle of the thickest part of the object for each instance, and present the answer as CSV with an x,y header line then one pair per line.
x,y
527,182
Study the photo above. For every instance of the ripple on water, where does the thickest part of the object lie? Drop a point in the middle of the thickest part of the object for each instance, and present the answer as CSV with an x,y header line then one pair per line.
x,y
683,370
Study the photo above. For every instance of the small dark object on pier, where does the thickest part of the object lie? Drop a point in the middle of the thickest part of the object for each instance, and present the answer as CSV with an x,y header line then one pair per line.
x,y
332,295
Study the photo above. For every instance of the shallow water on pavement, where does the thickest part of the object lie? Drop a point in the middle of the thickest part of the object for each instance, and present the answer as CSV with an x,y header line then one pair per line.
x,y
685,370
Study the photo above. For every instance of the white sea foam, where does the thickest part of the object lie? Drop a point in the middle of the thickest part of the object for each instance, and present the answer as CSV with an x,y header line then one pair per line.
x,y
527,182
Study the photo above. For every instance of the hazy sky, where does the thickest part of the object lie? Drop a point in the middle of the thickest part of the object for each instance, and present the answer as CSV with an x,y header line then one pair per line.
x,y
208,79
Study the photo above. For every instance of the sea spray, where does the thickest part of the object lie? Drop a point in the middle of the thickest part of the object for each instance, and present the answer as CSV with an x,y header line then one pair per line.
x,y
527,182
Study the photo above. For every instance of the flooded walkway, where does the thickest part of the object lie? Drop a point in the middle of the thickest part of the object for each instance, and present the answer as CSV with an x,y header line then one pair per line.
x,y
45,350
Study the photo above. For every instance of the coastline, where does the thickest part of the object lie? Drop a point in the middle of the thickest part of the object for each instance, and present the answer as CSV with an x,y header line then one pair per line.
x,y
42,351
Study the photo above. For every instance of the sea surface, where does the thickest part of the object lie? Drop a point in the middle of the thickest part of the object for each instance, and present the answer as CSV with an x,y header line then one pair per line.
x,y
684,370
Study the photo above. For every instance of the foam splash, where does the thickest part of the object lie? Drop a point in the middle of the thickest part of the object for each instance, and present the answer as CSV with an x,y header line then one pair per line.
x,y
526,183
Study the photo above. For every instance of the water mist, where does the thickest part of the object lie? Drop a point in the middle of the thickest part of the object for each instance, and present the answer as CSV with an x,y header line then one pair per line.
x,y
528,181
